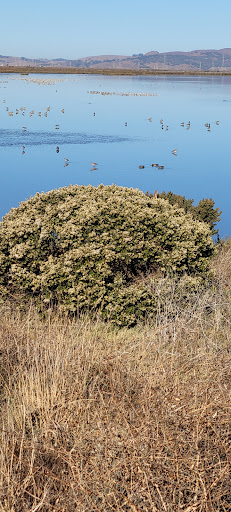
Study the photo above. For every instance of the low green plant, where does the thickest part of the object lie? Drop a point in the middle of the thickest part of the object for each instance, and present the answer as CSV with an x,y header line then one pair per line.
x,y
90,248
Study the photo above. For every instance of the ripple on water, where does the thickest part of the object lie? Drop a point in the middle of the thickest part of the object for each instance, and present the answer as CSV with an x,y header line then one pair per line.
x,y
18,137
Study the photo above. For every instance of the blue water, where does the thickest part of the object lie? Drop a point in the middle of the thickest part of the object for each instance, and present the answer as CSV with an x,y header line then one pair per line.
x,y
119,132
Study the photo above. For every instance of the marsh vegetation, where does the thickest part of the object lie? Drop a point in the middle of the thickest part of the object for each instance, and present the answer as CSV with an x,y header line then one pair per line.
x,y
115,354
99,419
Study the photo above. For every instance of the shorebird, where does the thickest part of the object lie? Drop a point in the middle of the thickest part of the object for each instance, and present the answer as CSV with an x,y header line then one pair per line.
x,y
174,152
141,166
62,110
155,165
93,169
66,159
93,164
217,122
160,166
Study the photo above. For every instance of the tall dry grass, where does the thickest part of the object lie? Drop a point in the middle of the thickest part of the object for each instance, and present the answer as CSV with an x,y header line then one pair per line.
x,y
94,419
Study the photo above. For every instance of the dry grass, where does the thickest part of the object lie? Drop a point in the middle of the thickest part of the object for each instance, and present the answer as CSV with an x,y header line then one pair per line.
x,y
95,419
25,70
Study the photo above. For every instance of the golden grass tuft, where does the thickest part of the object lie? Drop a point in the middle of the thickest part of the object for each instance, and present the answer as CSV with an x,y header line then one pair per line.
x,y
98,419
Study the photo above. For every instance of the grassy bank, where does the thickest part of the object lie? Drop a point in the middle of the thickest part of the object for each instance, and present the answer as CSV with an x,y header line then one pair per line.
x,y
25,70
98,419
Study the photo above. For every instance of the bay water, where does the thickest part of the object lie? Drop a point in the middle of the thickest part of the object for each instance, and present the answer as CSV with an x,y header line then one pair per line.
x,y
153,133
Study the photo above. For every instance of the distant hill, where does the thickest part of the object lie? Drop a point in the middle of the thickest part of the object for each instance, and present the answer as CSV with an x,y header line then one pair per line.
x,y
196,60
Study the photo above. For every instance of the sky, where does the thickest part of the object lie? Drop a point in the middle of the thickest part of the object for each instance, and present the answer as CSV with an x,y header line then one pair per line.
x,y
76,28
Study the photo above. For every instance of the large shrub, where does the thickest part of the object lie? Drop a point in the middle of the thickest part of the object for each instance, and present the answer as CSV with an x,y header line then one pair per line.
x,y
88,249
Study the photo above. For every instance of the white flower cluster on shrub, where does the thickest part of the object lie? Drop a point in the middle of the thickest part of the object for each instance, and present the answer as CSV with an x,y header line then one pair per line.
x,y
86,249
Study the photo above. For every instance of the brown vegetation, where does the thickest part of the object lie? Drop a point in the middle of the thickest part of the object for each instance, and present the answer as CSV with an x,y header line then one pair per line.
x,y
25,70
95,419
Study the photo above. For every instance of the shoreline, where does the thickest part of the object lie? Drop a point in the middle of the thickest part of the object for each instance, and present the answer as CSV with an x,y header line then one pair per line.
x,y
117,72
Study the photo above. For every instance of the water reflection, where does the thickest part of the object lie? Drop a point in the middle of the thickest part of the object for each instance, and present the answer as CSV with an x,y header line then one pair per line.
x,y
133,126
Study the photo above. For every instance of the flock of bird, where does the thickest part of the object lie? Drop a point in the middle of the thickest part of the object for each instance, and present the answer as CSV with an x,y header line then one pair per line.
x,y
94,165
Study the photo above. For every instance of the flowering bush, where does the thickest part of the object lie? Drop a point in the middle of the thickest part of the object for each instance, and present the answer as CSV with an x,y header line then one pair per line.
x,y
89,249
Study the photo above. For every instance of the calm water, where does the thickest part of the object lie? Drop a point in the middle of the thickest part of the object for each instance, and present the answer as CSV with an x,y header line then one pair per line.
x,y
119,132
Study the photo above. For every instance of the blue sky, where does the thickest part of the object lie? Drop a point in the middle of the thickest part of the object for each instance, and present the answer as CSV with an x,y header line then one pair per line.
x,y
74,28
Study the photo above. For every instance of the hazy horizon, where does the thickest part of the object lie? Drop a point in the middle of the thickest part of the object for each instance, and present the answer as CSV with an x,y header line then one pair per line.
x,y
56,57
